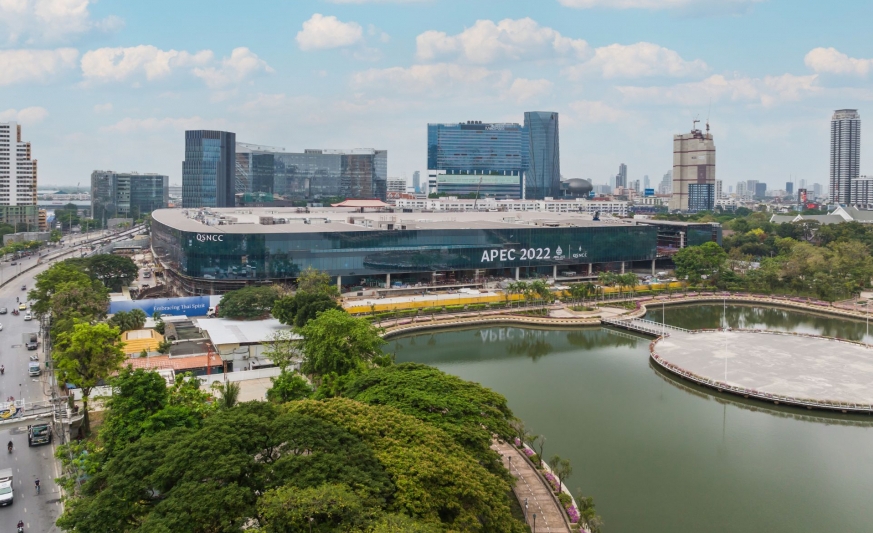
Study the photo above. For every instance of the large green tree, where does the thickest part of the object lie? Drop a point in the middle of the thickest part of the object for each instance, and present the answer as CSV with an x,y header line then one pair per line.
x,y
47,282
302,307
315,282
338,343
248,303
87,355
694,262
115,271
128,320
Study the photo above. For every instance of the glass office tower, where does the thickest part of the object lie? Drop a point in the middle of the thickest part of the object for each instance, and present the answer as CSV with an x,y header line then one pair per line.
x,y
460,152
544,176
209,169
127,194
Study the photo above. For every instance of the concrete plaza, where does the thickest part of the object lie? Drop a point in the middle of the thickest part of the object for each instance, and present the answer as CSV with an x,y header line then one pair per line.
x,y
803,367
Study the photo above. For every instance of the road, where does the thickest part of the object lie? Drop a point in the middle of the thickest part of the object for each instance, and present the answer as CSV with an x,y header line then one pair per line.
x,y
39,512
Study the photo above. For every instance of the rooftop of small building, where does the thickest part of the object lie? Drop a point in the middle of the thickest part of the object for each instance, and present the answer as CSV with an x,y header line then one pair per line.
x,y
334,219
682,223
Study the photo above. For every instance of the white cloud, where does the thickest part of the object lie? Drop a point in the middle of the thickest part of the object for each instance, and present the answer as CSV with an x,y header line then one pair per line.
x,y
635,61
509,39
321,33
17,66
435,78
28,115
832,61
49,20
103,108
596,112
523,89
767,91
121,64
150,125
654,4
241,64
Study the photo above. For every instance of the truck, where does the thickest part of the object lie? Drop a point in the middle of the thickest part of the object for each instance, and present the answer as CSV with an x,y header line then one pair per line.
x,y
39,434
33,369
6,486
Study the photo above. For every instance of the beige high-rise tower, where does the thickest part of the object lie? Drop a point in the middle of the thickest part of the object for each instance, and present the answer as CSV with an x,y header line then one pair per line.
x,y
17,180
693,171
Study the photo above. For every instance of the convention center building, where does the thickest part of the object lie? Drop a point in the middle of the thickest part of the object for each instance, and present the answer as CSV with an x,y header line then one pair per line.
x,y
213,250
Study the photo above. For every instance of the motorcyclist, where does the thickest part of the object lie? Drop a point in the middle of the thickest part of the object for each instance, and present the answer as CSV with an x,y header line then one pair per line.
x,y
9,446
36,483
2,370
21,525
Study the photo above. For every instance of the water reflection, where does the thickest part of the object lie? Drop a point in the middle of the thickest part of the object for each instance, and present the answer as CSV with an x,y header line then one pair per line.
x,y
746,316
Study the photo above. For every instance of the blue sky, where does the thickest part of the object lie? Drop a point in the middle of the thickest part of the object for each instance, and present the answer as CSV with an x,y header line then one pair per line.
x,y
113,85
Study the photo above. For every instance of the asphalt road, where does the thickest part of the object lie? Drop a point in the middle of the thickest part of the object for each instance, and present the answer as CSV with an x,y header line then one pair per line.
x,y
39,512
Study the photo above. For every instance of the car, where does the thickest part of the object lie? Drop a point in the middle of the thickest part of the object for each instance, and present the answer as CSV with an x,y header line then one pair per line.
x,y
32,344
24,287
13,263
22,306
39,434
28,316
3,310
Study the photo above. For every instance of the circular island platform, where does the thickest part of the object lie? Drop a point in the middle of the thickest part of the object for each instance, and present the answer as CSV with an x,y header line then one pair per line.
x,y
778,367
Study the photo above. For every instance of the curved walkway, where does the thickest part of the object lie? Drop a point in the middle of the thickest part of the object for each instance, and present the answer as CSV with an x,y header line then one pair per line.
x,y
530,487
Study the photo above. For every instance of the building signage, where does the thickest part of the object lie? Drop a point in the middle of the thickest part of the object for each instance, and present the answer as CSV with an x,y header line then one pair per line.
x,y
188,306
530,254
209,237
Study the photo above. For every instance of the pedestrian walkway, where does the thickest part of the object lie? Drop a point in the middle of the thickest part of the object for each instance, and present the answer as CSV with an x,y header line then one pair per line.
x,y
531,488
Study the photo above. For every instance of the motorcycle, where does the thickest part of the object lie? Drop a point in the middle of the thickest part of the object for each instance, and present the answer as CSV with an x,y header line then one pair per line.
x,y
15,312
34,358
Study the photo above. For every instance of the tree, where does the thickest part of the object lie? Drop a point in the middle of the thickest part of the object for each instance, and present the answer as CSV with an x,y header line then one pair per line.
x,y
160,327
315,282
228,393
137,395
247,303
128,320
47,282
326,508
288,387
115,271
336,342
87,355
55,235
466,411
78,301
302,307
165,346
694,262
561,468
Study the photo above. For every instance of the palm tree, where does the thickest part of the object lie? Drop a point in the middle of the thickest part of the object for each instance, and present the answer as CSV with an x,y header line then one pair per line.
x,y
228,393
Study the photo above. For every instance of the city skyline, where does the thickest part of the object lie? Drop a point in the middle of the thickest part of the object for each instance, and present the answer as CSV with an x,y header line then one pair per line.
x,y
370,73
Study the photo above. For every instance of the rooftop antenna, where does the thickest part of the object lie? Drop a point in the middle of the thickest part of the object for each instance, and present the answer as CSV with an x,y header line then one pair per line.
x,y
708,111
694,124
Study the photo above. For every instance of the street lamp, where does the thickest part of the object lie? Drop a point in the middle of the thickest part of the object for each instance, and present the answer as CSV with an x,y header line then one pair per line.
x,y
535,523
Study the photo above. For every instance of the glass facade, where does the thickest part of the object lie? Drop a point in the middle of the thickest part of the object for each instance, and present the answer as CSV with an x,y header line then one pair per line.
x,y
123,195
209,169
500,187
701,197
316,174
284,255
475,147
544,177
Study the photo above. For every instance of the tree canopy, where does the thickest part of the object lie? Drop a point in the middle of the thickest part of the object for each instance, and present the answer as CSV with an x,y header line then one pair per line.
x,y
302,307
247,303
338,343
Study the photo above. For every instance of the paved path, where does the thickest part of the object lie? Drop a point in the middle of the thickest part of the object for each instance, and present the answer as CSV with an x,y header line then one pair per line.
x,y
532,487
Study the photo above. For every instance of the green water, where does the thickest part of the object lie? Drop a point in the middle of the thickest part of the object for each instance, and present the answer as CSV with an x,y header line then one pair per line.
x,y
657,454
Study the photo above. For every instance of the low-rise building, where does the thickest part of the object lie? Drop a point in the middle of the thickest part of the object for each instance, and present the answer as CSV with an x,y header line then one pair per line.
x,y
548,205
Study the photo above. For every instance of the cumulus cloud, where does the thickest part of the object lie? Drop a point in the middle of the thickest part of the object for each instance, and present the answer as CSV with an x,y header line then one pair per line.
x,y
767,91
322,33
655,4
21,66
487,41
636,61
49,20
153,124
28,115
434,78
596,112
242,64
832,61
523,89
121,64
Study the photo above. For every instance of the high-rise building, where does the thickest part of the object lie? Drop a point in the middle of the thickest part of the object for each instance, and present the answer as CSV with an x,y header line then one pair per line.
x,y
647,184
611,183
544,155
801,184
760,191
621,177
666,185
416,182
701,197
845,154
789,187
635,185
209,169
742,188
693,163
127,194
314,174
462,155
718,190
817,190
395,187
18,173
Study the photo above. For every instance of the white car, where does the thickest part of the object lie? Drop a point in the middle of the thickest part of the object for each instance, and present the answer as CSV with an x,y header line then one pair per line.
x,y
28,316
1,327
